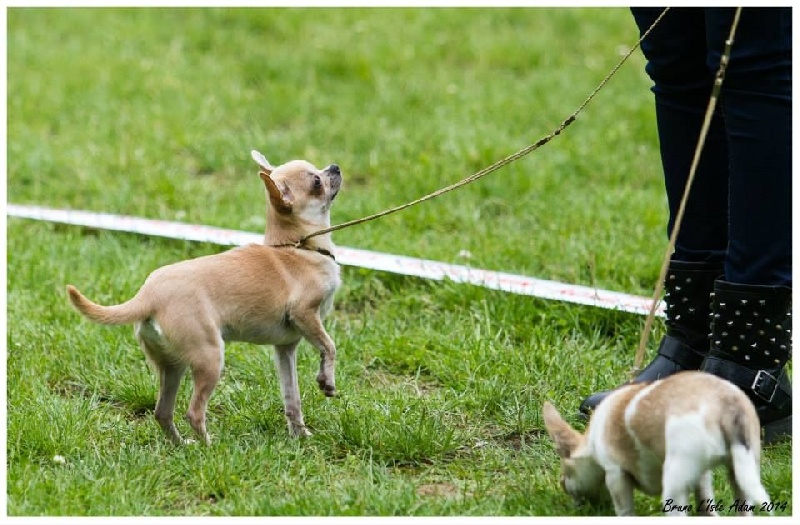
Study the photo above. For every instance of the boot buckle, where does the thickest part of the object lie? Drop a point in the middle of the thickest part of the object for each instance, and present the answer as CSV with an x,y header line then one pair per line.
x,y
764,385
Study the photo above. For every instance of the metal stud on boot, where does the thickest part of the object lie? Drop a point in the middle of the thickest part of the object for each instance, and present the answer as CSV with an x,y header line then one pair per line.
x,y
750,346
687,289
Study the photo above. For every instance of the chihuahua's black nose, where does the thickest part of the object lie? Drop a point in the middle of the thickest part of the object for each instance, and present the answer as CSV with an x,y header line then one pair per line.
x,y
333,168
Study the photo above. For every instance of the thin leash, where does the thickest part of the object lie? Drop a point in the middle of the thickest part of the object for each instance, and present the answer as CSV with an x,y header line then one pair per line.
x,y
720,76
500,163
712,103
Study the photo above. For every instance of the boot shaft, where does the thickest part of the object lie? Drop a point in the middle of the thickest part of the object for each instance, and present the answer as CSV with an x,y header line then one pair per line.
x,y
751,325
751,344
687,290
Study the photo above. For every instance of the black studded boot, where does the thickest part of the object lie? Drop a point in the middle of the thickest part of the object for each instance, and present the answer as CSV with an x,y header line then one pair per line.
x,y
688,287
750,345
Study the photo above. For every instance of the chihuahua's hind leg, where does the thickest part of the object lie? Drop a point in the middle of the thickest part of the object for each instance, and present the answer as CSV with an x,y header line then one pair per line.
x,y
169,376
169,380
206,372
286,363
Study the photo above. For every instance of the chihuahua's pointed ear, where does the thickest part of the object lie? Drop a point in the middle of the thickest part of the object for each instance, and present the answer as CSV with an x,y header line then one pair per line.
x,y
281,199
262,161
565,437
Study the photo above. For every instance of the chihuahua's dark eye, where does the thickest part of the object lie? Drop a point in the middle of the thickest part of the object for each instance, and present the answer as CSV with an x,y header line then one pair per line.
x,y
317,182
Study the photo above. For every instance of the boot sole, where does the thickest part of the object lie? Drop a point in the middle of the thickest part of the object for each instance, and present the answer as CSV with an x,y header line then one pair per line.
x,y
778,431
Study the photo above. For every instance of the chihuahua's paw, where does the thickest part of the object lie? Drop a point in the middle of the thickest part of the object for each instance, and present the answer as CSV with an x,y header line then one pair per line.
x,y
328,390
328,387
205,441
299,432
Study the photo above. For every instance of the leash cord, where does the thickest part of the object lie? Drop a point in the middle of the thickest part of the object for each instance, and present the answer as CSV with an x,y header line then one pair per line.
x,y
712,103
500,163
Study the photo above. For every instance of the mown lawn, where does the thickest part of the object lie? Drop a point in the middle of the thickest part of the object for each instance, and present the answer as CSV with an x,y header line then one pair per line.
x,y
153,112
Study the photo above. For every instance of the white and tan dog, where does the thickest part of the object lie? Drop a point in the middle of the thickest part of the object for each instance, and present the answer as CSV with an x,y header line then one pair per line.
x,y
264,294
664,438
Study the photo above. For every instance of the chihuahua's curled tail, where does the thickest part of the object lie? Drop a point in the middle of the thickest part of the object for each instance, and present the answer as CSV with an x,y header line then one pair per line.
x,y
128,312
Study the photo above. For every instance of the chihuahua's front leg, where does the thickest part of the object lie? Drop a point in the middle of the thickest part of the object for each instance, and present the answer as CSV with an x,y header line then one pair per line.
x,y
285,359
310,324
621,490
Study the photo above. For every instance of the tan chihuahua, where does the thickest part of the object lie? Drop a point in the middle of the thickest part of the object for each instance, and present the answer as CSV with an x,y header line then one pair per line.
x,y
276,293
665,438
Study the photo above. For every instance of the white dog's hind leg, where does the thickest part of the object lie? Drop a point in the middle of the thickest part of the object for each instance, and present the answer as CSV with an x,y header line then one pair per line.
x,y
745,477
678,479
704,494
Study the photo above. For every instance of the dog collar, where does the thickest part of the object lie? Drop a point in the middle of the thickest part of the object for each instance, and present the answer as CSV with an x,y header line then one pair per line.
x,y
323,251
299,246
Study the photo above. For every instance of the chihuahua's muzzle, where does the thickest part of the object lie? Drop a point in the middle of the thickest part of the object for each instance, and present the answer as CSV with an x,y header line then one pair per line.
x,y
335,177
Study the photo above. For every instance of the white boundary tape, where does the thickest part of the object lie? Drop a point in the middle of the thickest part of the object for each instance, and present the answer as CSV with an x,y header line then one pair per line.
x,y
399,264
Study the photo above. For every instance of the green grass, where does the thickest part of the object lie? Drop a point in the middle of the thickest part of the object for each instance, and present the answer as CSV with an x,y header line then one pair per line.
x,y
153,112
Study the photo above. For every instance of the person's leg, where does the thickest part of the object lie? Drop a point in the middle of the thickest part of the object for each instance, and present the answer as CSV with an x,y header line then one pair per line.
x,y
751,341
676,54
756,102
676,62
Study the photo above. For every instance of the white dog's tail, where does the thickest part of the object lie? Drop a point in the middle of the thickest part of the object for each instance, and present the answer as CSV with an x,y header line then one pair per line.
x,y
745,451
125,313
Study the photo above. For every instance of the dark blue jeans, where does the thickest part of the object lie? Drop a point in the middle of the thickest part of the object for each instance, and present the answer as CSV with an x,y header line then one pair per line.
x,y
739,209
